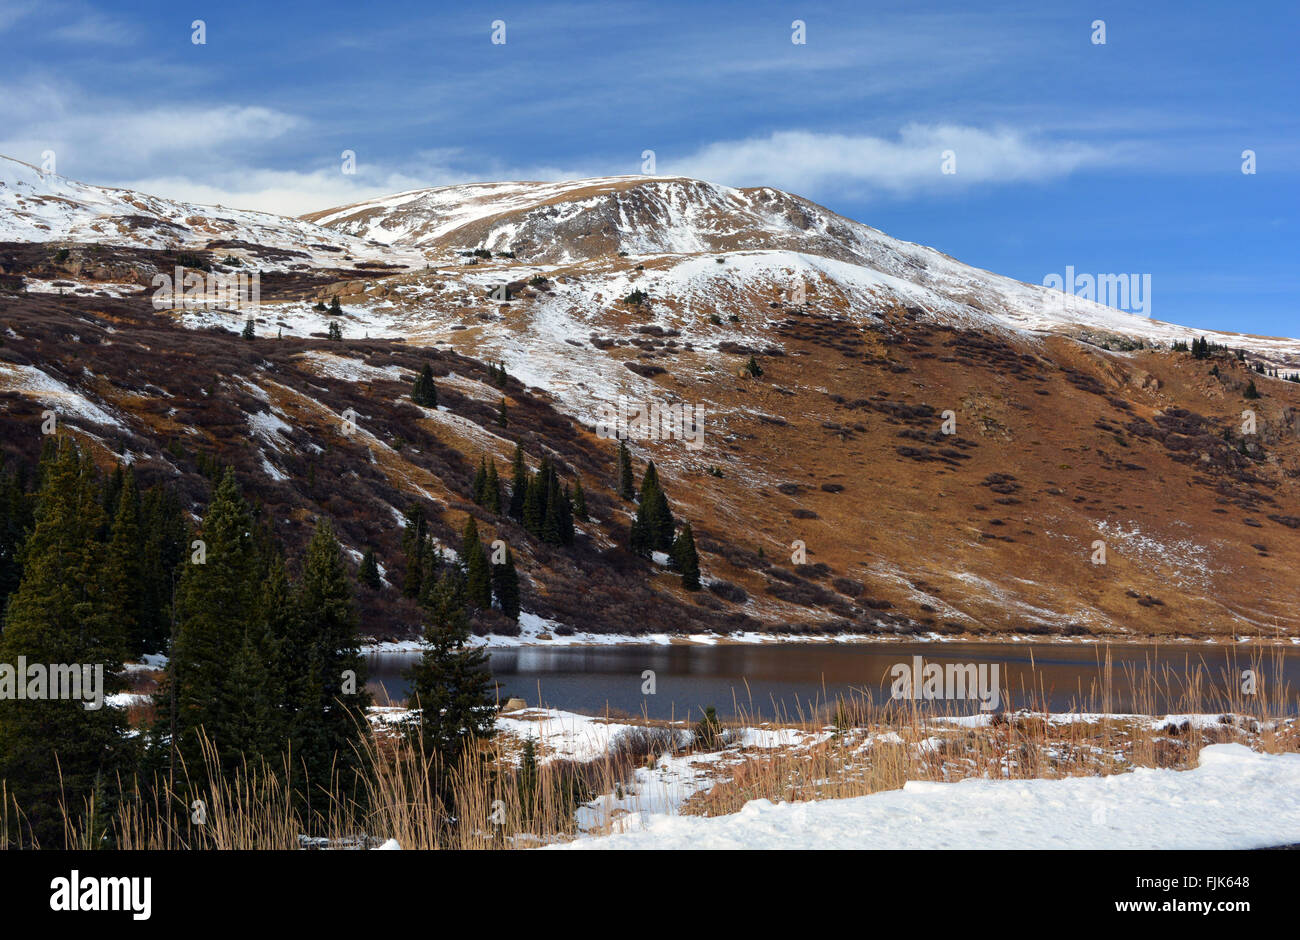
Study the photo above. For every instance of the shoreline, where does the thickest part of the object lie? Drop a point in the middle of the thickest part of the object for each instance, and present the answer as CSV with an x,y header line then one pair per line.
x,y
539,637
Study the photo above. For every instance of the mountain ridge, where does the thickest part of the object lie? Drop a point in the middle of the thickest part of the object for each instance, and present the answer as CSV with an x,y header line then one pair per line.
x,y
828,387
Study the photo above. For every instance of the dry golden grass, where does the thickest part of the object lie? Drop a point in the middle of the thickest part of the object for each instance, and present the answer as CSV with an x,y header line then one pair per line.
x,y
841,748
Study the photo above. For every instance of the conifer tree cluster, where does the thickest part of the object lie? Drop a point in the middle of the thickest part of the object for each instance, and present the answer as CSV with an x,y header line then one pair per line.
x,y
487,486
451,686
655,530
546,507
482,577
94,571
260,661
58,751
424,392
626,488
497,374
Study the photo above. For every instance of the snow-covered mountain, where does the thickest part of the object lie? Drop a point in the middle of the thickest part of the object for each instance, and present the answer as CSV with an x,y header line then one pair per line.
x,y
45,207
774,241
948,444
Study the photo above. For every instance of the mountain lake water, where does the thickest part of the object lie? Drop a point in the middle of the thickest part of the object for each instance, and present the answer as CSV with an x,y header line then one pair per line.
x,y
776,680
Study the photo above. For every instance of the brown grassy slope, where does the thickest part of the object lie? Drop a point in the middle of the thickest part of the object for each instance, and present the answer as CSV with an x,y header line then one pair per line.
x,y
991,529
838,445
1059,444
181,394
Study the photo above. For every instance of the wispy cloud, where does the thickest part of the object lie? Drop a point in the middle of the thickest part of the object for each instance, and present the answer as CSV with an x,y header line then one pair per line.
x,y
815,163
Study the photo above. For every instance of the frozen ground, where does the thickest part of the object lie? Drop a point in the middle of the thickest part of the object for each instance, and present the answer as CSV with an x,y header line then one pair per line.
x,y
1235,799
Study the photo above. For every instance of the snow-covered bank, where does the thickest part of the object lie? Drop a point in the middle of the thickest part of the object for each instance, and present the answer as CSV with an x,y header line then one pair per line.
x,y
1234,799
538,631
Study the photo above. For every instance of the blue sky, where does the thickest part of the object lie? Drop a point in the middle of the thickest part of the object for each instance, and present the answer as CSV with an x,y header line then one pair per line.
x,y
1115,158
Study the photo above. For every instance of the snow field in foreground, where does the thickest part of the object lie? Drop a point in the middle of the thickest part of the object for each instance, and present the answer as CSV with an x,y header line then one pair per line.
x,y
1234,799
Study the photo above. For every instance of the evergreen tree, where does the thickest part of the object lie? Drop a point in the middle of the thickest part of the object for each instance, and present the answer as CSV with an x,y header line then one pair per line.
x,y
336,309
122,576
505,585
519,484
552,523
166,540
15,520
1251,391
250,332
424,392
527,778
416,549
685,559
368,573
215,602
753,368
492,489
334,331
329,619
625,485
478,577
503,417
654,512
57,751
480,481
112,492
566,517
579,501
451,684
534,504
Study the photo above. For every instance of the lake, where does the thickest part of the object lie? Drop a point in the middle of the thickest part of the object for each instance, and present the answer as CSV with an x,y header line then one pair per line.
x,y
790,679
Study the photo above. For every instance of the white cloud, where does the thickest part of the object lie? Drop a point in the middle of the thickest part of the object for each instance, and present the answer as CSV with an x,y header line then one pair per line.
x,y
279,191
809,162
84,135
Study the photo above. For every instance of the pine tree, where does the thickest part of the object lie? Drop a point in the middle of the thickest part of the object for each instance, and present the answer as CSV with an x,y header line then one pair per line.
x,y
753,368
658,517
503,417
526,781
336,309
566,517
329,618
478,577
15,519
416,549
534,504
112,493
1251,391
334,331
451,684
505,585
166,540
56,750
519,484
368,573
250,332
579,501
552,523
121,578
625,485
425,392
685,559
492,489
215,599
480,481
